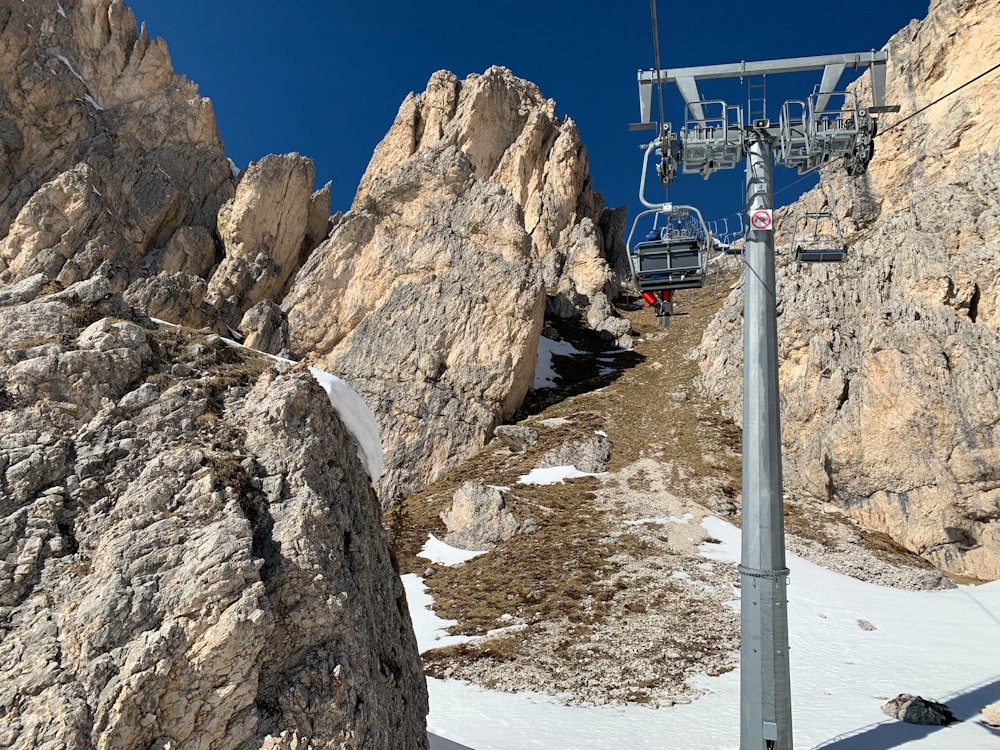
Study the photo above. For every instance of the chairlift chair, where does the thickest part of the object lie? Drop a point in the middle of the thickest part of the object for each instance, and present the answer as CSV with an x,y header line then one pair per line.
x,y
670,258
814,242
674,254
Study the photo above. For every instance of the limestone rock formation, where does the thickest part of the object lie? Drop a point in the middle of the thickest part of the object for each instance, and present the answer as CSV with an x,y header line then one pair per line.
x,y
428,296
513,138
478,518
517,438
590,454
93,121
192,553
266,229
430,308
890,361
111,165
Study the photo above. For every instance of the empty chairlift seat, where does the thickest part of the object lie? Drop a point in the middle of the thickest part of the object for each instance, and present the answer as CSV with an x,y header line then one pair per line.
x,y
820,254
818,239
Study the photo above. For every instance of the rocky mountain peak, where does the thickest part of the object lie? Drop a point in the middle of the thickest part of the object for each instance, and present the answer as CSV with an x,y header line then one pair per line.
x,y
475,215
95,118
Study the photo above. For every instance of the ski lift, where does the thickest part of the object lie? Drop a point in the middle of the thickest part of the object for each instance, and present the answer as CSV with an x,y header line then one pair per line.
x,y
727,238
817,237
815,242
674,253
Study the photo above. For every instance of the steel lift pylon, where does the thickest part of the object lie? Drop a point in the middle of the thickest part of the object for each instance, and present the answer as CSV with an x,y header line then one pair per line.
x,y
810,133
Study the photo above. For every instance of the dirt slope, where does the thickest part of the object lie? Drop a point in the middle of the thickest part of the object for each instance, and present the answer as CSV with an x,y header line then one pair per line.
x,y
608,600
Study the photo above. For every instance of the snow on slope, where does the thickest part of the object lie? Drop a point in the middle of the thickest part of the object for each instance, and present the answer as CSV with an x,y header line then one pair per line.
x,y
350,407
943,645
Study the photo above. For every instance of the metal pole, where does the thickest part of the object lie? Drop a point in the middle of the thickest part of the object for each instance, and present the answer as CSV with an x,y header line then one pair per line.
x,y
765,688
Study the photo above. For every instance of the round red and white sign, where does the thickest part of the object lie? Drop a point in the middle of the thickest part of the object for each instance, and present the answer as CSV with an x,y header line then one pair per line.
x,y
761,219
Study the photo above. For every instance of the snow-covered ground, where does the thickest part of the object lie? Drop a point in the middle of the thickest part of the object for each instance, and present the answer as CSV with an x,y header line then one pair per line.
x,y
943,645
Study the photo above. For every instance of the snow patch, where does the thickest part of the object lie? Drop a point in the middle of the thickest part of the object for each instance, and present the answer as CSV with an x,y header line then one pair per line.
x,y
444,554
840,675
553,475
431,630
357,418
545,376
65,61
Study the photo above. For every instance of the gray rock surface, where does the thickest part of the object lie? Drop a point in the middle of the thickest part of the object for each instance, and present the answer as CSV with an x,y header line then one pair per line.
x,y
265,231
96,127
914,709
265,328
478,518
589,454
516,437
428,296
192,554
426,301
173,297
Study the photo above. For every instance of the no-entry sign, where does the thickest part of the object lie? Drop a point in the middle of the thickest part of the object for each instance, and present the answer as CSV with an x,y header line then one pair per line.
x,y
761,219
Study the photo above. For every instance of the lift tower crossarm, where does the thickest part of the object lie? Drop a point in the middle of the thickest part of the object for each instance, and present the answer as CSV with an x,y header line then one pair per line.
x,y
831,65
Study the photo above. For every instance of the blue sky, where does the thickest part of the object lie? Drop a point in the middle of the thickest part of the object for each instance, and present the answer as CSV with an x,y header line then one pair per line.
x,y
326,77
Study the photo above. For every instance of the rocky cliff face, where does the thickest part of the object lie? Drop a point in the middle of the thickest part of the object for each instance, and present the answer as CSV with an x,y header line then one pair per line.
x,y
429,294
192,552
474,217
105,152
890,362
193,555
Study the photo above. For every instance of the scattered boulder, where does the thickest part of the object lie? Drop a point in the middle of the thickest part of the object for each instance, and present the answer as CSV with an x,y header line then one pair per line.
x,y
516,437
264,328
173,297
991,713
478,518
916,710
591,455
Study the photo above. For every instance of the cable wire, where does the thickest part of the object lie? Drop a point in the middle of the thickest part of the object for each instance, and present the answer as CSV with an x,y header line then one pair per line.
x,y
656,57
659,81
939,99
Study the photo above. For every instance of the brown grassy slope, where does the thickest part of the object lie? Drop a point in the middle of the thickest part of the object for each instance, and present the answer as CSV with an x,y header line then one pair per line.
x,y
604,609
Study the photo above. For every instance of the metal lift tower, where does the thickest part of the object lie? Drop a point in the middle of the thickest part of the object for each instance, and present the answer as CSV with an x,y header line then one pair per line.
x,y
810,133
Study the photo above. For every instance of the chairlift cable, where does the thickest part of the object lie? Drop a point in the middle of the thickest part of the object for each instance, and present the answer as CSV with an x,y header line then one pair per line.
x,y
659,80
656,58
939,99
